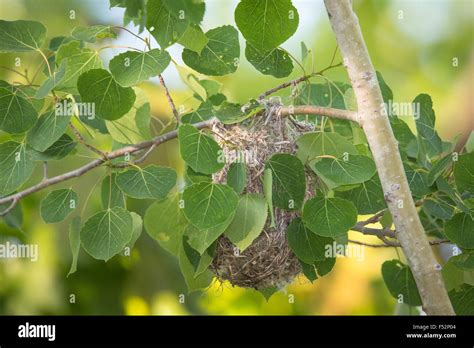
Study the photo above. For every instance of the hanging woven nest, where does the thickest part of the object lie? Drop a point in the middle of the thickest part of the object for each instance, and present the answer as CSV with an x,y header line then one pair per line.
x,y
268,262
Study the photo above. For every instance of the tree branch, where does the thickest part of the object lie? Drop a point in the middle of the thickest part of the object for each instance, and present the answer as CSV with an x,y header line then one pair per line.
x,y
396,245
170,100
318,110
387,159
99,161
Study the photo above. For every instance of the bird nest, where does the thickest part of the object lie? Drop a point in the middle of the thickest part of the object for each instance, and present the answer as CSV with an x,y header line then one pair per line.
x,y
268,262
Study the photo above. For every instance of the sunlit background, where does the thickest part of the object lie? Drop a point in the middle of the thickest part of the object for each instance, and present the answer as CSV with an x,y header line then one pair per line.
x,y
413,43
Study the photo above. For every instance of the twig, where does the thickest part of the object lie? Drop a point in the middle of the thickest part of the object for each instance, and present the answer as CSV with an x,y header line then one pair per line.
x,y
25,76
137,161
170,100
318,110
83,142
396,245
296,81
373,231
14,201
99,161
284,85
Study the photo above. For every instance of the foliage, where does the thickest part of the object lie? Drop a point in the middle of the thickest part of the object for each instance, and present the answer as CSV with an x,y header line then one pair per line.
x,y
187,217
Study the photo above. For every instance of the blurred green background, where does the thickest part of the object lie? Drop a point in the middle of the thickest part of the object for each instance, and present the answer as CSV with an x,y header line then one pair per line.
x,y
413,44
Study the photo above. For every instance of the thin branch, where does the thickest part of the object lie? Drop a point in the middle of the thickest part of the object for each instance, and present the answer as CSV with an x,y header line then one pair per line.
x,y
379,232
396,245
170,100
284,85
318,110
14,201
25,76
100,161
84,142
296,81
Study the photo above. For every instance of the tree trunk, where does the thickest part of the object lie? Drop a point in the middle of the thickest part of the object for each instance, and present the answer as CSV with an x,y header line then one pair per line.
x,y
384,147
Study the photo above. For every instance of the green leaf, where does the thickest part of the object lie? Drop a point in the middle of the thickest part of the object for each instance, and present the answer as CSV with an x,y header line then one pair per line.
x,y
17,114
425,124
16,166
314,144
194,39
266,24
60,149
165,222
135,11
329,217
439,208
438,168
275,62
460,230
193,177
137,229
92,33
268,192
192,10
289,181
463,300
111,195
353,169
51,82
387,93
149,182
20,36
237,176
309,271
57,41
164,23
464,173
248,222
400,282
325,266
187,262
464,261
367,197
219,56
106,233
403,134
78,60
58,204
49,128
470,143
199,151
204,112
318,268
74,242
201,239
205,260
306,245
133,127
132,67
417,180
207,205
230,113
110,99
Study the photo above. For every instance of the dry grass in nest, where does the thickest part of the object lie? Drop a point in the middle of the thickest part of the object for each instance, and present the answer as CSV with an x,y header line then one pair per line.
x,y
268,261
